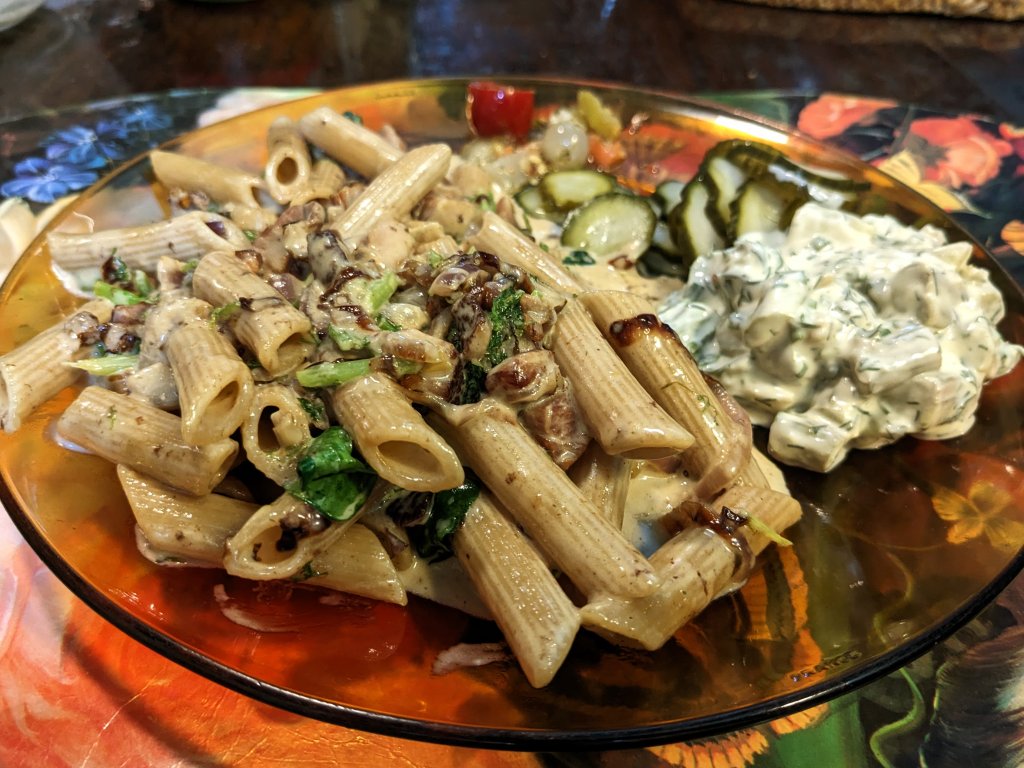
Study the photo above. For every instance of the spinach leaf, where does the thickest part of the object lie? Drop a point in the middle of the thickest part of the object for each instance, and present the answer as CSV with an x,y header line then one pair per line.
x,y
440,518
331,478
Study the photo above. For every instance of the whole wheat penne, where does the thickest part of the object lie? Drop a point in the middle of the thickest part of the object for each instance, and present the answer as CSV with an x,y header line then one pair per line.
x,y
541,498
222,184
37,370
184,237
536,617
619,412
393,193
694,566
214,385
666,369
193,528
266,546
127,431
288,163
325,179
498,237
274,428
392,436
357,563
604,479
364,151
275,331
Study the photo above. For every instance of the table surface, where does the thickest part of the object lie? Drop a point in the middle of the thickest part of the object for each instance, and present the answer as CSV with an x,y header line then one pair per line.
x,y
76,692
73,51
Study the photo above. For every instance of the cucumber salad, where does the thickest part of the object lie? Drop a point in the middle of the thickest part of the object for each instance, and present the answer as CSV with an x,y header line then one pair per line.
x,y
834,330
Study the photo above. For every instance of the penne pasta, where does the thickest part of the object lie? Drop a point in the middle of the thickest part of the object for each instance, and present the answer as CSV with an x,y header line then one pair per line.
x,y
603,479
288,163
622,416
393,193
392,437
655,356
275,426
542,499
127,431
326,178
356,563
364,151
695,566
37,370
279,540
180,525
220,183
536,617
275,331
214,385
184,237
500,238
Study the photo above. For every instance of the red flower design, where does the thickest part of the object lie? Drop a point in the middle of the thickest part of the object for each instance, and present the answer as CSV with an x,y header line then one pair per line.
x,y
966,156
831,114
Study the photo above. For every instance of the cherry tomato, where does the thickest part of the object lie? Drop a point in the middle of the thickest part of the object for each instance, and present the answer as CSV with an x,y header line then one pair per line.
x,y
499,110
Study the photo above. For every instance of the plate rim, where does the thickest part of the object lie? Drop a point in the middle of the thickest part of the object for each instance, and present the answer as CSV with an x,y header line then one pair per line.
x,y
483,736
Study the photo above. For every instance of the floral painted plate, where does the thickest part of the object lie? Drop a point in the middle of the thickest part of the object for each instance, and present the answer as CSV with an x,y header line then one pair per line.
x,y
897,547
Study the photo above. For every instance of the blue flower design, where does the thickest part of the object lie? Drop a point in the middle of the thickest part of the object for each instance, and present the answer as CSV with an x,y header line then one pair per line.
x,y
143,117
41,181
87,147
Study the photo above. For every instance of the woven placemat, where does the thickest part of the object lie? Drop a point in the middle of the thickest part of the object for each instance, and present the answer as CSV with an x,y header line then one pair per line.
x,y
1004,10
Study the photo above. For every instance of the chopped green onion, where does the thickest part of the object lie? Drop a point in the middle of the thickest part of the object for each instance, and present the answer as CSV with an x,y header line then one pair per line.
x,y
347,340
108,365
332,374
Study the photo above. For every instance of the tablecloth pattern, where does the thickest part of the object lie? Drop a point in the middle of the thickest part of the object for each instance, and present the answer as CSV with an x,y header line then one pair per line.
x,y
74,691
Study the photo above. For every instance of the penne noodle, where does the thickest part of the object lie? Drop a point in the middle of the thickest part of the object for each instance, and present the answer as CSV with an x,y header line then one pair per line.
x,y
604,479
392,436
214,385
666,369
695,566
325,179
222,184
266,547
620,414
275,331
364,151
394,193
542,499
274,428
127,431
288,163
184,237
536,617
356,563
37,370
194,528
498,237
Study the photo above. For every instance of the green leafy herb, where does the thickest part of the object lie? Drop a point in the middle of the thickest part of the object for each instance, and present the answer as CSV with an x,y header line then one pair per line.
x,y
579,258
447,511
385,324
108,365
331,478
332,374
306,572
486,202
314,409
506,325
347,340
249,234
353,117
757,525
223,313
472,389
117,295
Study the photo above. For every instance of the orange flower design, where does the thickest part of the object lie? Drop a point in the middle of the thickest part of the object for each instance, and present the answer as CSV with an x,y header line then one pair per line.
x,y
831,114
982,504
957,152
